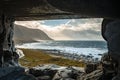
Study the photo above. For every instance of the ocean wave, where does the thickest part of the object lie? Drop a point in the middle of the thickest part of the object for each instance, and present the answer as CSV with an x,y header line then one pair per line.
x,y
65,49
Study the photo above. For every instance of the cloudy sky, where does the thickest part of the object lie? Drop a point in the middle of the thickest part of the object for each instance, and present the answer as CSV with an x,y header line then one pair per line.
x,y
68,29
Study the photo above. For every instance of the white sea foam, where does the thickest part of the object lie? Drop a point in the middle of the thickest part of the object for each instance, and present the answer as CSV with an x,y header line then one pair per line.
x,y
65,49
20,53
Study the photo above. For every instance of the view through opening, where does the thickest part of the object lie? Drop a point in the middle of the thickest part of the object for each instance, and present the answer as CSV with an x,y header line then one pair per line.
x,y
73,39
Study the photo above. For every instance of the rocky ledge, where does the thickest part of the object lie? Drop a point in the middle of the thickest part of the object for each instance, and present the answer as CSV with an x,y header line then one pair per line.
x,y
92,71
15,73
55,72
104,70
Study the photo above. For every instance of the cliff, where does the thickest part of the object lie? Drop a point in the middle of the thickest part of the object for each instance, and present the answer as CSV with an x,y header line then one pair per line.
x,y
23,34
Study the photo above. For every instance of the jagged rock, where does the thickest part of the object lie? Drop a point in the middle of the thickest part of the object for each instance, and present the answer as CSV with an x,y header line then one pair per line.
x,y
106,72
90,67
43,78
108,64
109,67
10,60
18,76
8,55
43,73
43,70
67,73
95,75
14,73
55,72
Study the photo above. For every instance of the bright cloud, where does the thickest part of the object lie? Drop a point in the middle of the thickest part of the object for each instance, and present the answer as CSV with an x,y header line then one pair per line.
x,y
73,29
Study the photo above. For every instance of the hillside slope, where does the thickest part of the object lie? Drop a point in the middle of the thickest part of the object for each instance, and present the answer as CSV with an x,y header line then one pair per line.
x,y
24,34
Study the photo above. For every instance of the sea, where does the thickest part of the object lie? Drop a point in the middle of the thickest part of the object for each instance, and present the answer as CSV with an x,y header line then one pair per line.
x,y
94,48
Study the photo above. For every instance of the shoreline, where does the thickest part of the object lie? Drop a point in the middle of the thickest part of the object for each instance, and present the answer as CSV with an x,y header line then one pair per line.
x,y
34,57
71,56
55,57
90,55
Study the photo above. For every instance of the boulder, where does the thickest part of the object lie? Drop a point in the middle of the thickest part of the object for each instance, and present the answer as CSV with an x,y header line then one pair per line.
x,y
14,73
43,70
95,75
55,72
69,73
106,72
90,67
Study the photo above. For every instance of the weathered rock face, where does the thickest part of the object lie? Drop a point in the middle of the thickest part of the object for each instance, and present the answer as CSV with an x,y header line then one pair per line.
x,y
9,67
59,9
8,56
14,73
106,72
90,67
55,72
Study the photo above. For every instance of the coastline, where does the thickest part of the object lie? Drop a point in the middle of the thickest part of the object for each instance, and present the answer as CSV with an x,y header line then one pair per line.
x,y
34,57
80,50
72,56
40,63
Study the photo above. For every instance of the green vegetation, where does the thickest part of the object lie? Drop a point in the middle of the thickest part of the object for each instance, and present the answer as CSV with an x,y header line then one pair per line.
x,y
36,57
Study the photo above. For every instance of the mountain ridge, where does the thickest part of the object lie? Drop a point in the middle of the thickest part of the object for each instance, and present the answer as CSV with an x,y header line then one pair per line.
x,y
23,34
